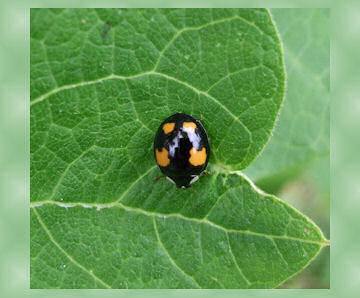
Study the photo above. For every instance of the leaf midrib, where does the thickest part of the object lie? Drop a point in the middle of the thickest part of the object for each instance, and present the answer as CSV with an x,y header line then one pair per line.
x,y
168,77
193,88
154,69
175,215
148,73
140,211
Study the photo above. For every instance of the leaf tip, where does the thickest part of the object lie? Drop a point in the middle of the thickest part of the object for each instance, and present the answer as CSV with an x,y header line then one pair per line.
x,y
326,242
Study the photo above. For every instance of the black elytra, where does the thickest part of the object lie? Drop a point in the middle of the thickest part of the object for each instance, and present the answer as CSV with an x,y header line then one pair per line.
x,y
182,149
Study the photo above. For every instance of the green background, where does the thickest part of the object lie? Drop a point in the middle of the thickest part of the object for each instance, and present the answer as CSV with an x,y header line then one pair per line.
x,y
14,155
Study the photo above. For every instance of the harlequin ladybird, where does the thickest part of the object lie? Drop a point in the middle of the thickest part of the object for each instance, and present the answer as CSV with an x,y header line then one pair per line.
x,y
182,149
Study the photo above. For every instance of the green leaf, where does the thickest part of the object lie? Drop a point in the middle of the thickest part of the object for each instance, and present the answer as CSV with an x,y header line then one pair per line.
x,y
228,234
302,132
101,83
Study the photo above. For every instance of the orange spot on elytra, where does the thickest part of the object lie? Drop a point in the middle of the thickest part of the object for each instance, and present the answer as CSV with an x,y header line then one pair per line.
x,y
168,127
189,126
197,158
162,157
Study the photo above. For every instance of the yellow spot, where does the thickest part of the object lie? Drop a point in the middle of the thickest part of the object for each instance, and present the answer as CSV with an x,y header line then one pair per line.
x,y
168,127
197,158
189,126
162,157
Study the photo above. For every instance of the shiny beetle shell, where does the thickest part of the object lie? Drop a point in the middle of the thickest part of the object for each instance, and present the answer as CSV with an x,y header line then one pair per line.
x,y
182,149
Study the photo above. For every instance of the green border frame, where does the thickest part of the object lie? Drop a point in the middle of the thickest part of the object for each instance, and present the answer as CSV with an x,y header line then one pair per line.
x,y
14,150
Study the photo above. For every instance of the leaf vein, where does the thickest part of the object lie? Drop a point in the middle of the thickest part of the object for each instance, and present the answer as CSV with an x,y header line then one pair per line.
x,y
279,252
52,239
53,193
133,184
235,261
117,204
169,256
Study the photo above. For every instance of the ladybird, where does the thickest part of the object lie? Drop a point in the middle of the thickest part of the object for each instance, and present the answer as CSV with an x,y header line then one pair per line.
x,y
182,149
